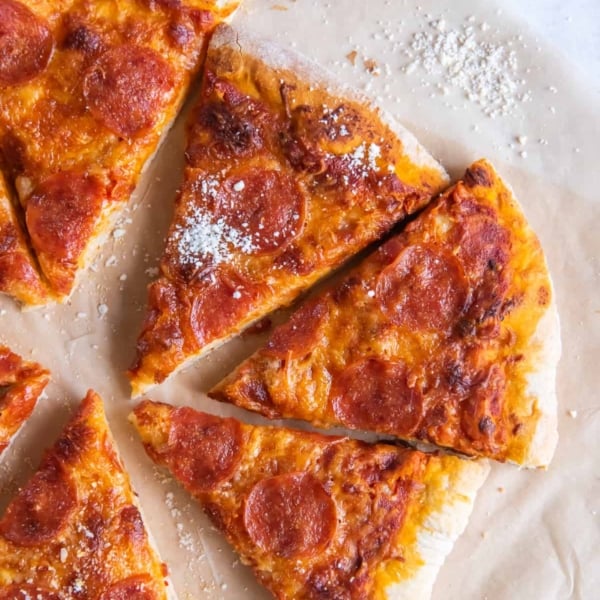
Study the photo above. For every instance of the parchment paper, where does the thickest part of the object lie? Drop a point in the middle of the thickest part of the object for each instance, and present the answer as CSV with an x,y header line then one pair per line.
x,y
532,534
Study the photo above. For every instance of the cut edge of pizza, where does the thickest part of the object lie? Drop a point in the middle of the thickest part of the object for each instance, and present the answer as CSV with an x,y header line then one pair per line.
x,y
71,205
19,274
312,513
75,527
271,123
457,312
21,385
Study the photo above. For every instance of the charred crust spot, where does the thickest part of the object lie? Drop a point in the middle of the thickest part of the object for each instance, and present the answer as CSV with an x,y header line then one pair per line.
x,y
477,175
73,445
232,134
487,426
8,238
257,392
82,39
131,525
342,292
543,295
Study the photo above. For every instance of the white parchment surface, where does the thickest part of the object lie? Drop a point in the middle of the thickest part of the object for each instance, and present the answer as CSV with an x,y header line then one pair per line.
x,y
533,535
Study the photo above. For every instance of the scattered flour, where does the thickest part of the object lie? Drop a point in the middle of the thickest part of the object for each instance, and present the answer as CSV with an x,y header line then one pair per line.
x,y
486,72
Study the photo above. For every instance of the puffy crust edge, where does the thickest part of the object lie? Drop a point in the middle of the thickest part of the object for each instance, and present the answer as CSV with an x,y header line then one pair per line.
x,y
541,384
436,535
307,70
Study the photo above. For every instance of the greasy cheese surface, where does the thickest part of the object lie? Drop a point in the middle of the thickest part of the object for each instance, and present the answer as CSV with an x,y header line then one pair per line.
x,y
21,384
284,181
74,530
430,338
86,89
314,516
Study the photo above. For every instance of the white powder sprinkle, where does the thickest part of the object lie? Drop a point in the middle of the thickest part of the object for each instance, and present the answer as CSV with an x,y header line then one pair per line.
x,y
102,310
486,72
238,186
63,555
198,237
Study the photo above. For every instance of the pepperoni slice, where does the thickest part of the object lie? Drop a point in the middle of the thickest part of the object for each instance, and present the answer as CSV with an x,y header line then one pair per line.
x,y
300,334
41,509
137,587
219,304
203,449
127,87
62,212
374,394
25,43
425,288
25,591
482,244
268,206
290,515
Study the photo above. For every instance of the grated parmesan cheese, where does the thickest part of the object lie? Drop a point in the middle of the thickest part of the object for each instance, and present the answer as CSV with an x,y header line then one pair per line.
x,y
199,238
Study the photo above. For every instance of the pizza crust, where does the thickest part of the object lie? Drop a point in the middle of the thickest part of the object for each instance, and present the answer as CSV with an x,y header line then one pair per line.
x,y
436,535
308,71
541,384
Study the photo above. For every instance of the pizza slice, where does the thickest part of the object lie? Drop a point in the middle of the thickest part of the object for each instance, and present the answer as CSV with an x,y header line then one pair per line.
x,y
19,276
448,334
288,175
21,384
86,91
317,516
74,530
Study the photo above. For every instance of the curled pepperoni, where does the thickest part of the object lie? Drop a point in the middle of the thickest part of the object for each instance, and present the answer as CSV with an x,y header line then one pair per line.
x,y
425,289
137,587
290,515
41,509
25,591
374,394
300,334
219,304
25,43
127,87
267,206
62,212
203,449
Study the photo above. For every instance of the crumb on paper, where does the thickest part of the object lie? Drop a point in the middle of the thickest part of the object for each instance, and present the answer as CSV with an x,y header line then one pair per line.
x,y
351,56
572,413
500,490
151,271
372,66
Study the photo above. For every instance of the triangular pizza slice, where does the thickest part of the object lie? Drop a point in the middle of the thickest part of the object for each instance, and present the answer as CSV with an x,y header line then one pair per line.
x,y
448,333
21,384
74,530
288,174
317,516
86,91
